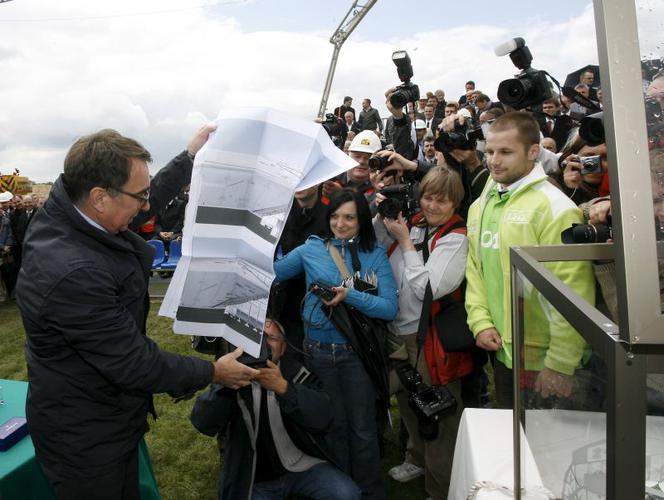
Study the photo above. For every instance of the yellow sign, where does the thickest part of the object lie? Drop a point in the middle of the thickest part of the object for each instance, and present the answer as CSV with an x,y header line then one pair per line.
x,y
15,184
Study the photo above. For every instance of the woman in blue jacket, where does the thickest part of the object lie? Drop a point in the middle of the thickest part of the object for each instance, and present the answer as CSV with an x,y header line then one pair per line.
x,y
353,437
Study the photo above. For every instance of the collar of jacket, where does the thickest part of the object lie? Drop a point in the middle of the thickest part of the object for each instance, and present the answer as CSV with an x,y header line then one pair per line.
x,y
60,207
536,175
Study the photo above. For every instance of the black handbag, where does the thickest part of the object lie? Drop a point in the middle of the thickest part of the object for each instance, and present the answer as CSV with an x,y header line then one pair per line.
x,y
452,320
452,325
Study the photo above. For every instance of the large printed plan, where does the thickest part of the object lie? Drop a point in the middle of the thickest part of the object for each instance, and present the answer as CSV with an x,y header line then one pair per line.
x,y
242,188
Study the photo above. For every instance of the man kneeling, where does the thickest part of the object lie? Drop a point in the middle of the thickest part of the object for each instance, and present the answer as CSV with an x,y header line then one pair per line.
x,y
274,432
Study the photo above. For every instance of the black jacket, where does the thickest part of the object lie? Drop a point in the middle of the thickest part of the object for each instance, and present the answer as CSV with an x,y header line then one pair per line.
x,y
305,409
562,125
92,370
369,120
171,219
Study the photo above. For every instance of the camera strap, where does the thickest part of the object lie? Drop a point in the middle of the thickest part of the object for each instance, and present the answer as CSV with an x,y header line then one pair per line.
x,y
339,262
426,302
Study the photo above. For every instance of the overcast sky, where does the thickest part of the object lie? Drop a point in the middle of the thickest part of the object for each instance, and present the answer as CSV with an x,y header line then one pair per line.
x,y
156,70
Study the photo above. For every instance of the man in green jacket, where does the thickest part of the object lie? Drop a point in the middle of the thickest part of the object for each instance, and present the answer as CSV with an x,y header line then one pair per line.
x,y
519,207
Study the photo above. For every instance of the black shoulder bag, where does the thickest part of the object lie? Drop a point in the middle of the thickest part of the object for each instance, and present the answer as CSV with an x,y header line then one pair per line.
x,y
452,320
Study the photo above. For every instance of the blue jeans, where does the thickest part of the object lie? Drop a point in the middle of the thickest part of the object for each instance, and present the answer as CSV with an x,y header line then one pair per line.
x,y
321,482
353,437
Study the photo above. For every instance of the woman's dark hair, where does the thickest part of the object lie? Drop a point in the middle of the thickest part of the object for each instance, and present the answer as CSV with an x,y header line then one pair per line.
x,y
366,234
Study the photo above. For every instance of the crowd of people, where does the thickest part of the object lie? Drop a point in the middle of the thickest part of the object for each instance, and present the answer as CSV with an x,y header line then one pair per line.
x,y
16,212
410,247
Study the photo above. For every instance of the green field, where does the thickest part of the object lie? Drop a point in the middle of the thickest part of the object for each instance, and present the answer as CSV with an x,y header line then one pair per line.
x,y
186,463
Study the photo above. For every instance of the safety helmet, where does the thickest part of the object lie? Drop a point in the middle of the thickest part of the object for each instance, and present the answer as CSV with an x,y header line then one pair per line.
x,y
365,142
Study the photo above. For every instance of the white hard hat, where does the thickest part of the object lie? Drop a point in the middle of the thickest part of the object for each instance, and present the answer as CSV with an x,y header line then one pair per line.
x,y
5,196
420,124
365,142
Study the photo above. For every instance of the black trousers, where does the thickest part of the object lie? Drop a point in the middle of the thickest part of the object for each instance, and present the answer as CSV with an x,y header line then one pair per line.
x,y
117,482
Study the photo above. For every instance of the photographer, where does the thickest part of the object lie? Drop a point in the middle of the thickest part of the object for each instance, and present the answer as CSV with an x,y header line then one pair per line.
x,y
361,148
457,143
286,454
444,233
371,291
584,169
401,133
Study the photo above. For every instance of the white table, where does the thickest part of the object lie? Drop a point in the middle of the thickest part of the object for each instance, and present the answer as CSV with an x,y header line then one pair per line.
x,y
483,452
565,451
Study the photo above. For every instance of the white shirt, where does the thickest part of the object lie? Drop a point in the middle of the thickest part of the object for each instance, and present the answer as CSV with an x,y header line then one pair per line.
x,y
89,220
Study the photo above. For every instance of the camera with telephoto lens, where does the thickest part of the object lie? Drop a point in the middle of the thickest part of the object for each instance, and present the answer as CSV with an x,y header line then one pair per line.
x,y
336,129
588,233
529,87
464,136
404,198
428,402
407,91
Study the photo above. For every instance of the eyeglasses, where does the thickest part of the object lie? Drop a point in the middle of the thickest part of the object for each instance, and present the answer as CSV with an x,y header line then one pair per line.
x,y
142,197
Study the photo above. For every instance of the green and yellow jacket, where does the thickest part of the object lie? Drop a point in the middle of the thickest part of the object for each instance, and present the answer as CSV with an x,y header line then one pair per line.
x,y
535,213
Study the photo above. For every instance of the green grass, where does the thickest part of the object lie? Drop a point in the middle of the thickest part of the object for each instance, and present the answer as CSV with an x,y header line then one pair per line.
x,y
185,462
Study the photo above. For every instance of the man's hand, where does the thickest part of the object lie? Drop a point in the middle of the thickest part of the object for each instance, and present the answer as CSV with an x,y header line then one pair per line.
x,y
166,235
572,173
270,378
398,162
396,112
230,373
489,340
447,125
600,212
552,383
200,138
341,294
330,187
398,229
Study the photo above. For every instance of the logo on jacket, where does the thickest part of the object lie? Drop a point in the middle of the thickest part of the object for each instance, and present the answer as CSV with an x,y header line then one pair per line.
x,y
489,240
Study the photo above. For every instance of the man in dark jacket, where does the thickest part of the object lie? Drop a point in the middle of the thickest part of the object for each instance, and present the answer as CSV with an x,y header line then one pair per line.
x,y
340,111
274,432
369,118
82,292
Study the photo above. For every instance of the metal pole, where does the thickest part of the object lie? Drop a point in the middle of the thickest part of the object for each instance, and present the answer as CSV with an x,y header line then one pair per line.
x,y
517,346
328,80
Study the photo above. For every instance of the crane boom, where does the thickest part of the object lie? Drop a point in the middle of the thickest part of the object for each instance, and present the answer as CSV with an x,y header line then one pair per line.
x,y
353,17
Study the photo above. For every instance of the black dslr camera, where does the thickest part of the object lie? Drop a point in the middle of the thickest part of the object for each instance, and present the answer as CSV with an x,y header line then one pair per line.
x,y
336,129
322,290
462,137
379,163
529,87
408,91
429,403
404,198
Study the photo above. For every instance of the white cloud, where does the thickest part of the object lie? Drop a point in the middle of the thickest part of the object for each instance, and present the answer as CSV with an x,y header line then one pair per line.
x,y
158,78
